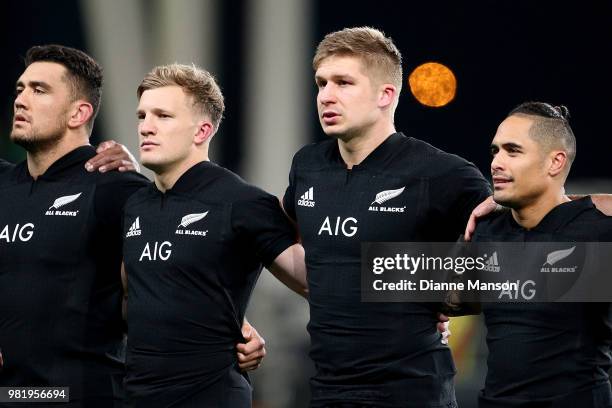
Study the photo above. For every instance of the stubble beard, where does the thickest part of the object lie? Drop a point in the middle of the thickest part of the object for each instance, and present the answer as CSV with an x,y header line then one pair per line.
x,y
33,141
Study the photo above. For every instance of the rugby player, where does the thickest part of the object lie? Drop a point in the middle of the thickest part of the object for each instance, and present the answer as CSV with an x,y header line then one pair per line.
x,y
194,245
543,354
369,182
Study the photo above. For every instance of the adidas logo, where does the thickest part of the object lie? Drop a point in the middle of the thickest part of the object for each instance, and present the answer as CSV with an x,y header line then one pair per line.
x,y
62,201
491,264
134,229
307,199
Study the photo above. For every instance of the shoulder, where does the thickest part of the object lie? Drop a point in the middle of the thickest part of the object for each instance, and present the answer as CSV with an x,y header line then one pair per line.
x,y
121,178
319,153
598,225
5,166
119,184
114,188
7,169
495,224
229,186
437,161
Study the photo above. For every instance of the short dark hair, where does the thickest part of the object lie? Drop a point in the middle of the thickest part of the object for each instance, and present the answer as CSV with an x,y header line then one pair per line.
x,y
550,126
85,74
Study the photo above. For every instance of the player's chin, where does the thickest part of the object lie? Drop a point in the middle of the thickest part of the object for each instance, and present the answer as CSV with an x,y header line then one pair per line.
x,y
503,198
151,162
333,131
18,135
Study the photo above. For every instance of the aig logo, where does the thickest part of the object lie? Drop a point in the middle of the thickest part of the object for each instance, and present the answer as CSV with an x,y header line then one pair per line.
x,y
346,227
19,232
155,251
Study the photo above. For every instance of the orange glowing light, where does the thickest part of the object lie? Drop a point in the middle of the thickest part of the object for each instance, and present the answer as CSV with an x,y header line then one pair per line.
x,y
433,84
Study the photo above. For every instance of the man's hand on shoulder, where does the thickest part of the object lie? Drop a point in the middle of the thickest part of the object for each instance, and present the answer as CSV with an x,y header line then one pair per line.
x,y
112,156
481,210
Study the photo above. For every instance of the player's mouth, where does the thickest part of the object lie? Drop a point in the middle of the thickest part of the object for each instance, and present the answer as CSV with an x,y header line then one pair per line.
x,y
20,119
147,145
501,181
330,117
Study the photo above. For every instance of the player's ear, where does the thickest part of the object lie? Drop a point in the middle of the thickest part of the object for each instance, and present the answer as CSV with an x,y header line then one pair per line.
x,y
204,132
387,95
558,162
80,113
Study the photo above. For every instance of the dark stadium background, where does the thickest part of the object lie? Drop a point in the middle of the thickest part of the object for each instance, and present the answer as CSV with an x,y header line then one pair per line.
x,y
502,53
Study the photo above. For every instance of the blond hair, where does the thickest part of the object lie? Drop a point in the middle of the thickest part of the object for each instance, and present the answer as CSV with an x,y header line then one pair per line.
x,y
195,82
377,52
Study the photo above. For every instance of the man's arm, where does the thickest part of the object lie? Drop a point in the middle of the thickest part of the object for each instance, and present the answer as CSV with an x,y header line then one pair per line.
x,y
112,156
290,268
481,210
603,202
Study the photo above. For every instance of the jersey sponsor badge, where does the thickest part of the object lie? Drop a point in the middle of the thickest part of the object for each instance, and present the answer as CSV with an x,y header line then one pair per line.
x,y
58,208
189,220
134,230
307,199
383,197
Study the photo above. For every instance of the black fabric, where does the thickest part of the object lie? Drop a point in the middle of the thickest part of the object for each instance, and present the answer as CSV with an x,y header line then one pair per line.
x,y
385,354
187,301
548,354
5,166
231,390
60,284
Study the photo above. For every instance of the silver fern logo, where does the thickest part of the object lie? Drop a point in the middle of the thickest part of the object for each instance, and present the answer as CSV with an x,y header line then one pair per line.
x,y
555,257
385,196
61,202
189,219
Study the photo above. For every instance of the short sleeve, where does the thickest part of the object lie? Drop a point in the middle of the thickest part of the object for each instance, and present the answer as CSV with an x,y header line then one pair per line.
x,y
288,198
263,224
455,193
113,190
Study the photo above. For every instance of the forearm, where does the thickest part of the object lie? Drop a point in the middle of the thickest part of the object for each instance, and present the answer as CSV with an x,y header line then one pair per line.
x,y
290,268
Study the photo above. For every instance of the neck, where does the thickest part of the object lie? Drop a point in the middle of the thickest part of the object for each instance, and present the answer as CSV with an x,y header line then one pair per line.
x,y
39,160
356,148
167,178
530,215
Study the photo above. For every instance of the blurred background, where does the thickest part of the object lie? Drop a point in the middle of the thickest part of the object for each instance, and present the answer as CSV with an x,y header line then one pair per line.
x,y
489,55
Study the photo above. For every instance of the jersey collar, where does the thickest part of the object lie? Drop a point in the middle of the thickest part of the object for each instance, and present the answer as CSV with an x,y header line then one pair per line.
x,y
192,178
559,216
378,156
70,162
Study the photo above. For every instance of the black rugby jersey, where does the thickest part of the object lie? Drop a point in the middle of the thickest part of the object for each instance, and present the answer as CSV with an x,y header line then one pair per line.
x,y
548,354
406,190
192,257
60,282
